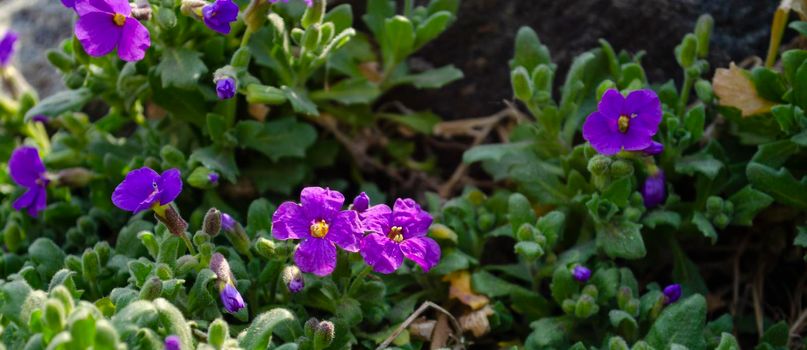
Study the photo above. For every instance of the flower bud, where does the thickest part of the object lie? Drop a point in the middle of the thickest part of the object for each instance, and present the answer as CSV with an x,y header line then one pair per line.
x,y
654,149
591,290
703,30
633,214
323,335
200,238
164,272
265,248
90,265
61,293
686,51
212,222
529,250
227,222
151,289
617,343
714,205
240,58
293,279
192,8
623,296
217,333
13,236
568,306
54,315
310,327
599,164
486,221
361,202
721,221
213,178
220,266
620,168
186,264
226,82
440,231
632,307
527,232
231,298
523,88
105,335
672,293
314,14
141,10
172,343
654,190
585,307
238,238
703,88
173,221
581,273
74,177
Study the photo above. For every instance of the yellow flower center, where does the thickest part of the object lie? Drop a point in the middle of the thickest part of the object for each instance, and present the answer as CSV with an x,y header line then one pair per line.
x,y
395,234
319,229
623,123
119,19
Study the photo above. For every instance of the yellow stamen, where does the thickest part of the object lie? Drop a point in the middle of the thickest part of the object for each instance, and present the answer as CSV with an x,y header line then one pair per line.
x,y
119,19
395,234
623,123
319,229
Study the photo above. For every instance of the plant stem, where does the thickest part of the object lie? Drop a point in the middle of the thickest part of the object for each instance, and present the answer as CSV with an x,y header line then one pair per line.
x,y
684,98
359,277
188,243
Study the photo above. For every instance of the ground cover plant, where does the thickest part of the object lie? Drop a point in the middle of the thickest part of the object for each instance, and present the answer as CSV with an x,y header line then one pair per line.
x,y
235,175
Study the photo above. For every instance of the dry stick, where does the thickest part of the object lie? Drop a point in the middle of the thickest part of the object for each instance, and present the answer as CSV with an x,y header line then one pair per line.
x,y
795,330
737,276
755,294
423,307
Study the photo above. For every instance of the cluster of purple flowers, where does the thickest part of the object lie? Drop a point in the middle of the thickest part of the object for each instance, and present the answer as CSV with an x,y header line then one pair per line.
x,y
629,124
321,225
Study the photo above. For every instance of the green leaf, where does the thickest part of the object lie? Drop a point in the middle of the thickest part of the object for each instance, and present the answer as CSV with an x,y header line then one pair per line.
x,y
216,127
727,342
680,323
769,83
349,91
173,322
432,27
486,283
519,211
775,154
399,39
259,217
621,240
377,12
285,137
799,26
494,152
422,122
799,97
220,159
529,52
779,184
791,61
662,217
801,237
694,122
777,335
619,191
270,95
549,333
747,203
430,79
259,333
47,256
451,6
300,102
60,102
181,68
341,16
624,323
563,285
702,162
281,178
704,226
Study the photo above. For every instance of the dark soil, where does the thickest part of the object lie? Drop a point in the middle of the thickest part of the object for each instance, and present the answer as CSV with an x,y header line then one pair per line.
x,y
481,41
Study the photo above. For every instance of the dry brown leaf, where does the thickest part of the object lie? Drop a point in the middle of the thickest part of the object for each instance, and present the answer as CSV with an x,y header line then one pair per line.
x,y
371,71
477,321
461,290
258,111
422,328
441,333
734,89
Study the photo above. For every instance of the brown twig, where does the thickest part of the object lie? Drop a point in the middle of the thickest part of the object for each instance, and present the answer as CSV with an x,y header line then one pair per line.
x,y
423,307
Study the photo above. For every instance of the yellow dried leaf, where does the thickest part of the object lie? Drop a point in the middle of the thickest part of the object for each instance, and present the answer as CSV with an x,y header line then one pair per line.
x,y
461,290
477,321
734,89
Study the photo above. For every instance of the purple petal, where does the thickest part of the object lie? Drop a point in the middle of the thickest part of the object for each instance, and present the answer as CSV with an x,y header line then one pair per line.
x,y
361,202
97,33
345,230
134,41
321,203
219,15
316,255
26,167
136,190
69,3
654,190
41,201
424,251
289,222
654,149
581,273
672,293
414,220
378,219
636,139
7,47
227,222
170,185
382,253
601,132
231,298
172,343
611,104
645,105
26,200
225,88
84,7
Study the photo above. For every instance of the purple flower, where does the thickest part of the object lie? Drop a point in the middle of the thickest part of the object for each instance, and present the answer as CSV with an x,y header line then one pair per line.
x,y
213,178
654,190
219,15
293,279
227,222
623,123
105,24
144,188
27,170
172,343
397,233
7,47
71,4
231,298
308,3
361,202
321,225
654,149
225,88
581,273
672,293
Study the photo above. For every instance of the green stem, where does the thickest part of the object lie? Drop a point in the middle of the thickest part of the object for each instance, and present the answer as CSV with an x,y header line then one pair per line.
x,y
359,277
685,89
188,243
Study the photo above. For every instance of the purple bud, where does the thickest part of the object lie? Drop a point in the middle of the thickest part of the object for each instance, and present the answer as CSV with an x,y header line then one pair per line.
x,y
231,298
654,191
672,293
39,118
293,279
7,44
225,88
213,178
172,342
361,202
227,222
654,149
581,273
